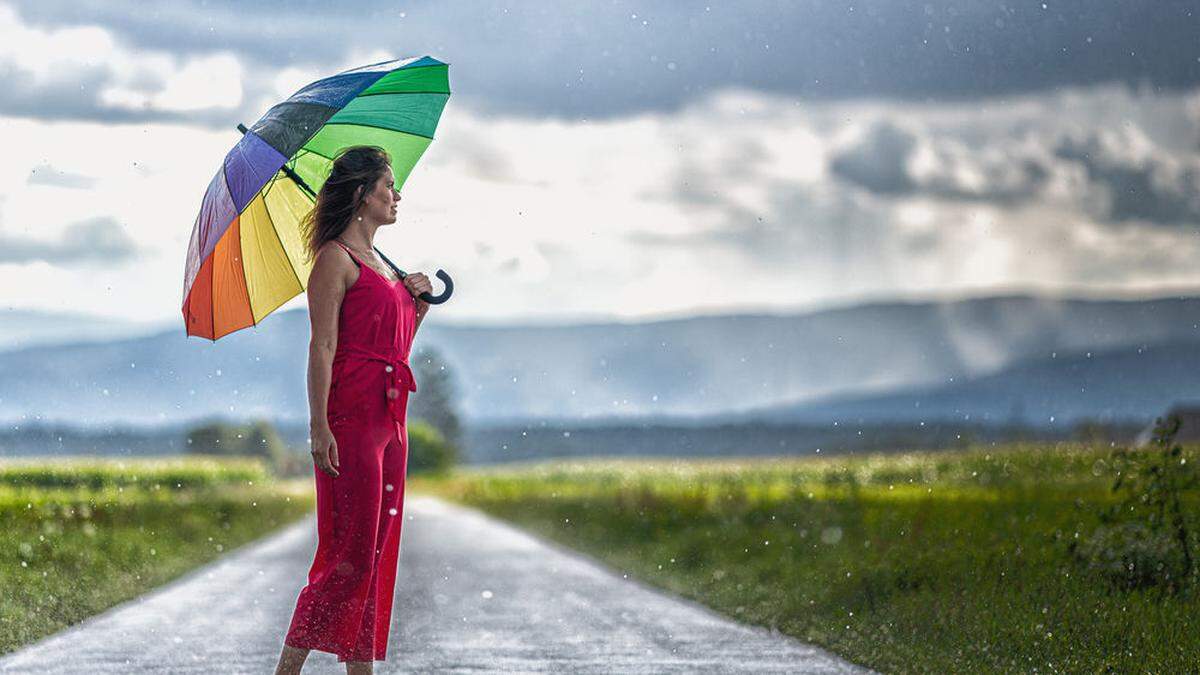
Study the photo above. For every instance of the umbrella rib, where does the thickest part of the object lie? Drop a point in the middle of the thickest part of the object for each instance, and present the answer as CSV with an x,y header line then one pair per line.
x,y
283,248
285,168
305,148
396,70
291,173
212,282
362,69
376,126
299,181
399,93
275,179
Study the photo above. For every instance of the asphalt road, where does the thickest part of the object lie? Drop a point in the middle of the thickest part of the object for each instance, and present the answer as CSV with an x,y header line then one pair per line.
x,y
474,594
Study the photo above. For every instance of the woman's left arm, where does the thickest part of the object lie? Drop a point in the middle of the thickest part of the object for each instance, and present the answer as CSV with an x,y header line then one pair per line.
x,y
418,283
422,309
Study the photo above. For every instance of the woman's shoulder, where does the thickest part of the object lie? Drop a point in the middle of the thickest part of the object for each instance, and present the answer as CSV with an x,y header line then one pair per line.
x,y
333,259
331,245
334,251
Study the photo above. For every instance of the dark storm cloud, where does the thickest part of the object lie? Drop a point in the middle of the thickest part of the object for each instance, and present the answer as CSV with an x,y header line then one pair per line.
x,y
881,161
600,59
1129,177
1134,179
99,239
1075,187
1003,177
76,96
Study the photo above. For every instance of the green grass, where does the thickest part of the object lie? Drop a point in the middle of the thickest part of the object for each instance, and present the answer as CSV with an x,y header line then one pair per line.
x,y
919,562
79,536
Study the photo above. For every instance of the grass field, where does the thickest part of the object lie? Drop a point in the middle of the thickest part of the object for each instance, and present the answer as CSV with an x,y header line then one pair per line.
x,y
79,536
920,562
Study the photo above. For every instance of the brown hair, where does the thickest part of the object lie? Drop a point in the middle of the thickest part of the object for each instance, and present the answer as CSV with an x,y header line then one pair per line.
x,y
353,167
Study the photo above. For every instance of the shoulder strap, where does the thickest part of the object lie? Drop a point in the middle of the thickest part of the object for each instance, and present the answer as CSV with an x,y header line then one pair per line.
x,y
348,252
392,265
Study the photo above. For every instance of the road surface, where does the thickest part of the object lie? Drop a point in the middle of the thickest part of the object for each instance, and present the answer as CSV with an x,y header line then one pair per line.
x,y
474,594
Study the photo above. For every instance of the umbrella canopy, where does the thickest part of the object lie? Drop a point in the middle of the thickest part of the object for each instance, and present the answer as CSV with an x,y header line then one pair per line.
x,y
246,256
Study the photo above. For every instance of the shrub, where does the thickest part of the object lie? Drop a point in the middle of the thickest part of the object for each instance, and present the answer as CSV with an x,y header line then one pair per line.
x,y
1145,539
428,450
256,439
1130,555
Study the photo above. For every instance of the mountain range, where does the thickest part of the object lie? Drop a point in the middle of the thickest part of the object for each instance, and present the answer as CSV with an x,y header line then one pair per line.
x,y
991,357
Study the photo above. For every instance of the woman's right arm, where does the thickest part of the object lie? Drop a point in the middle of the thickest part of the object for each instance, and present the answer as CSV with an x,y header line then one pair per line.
x,y
326,289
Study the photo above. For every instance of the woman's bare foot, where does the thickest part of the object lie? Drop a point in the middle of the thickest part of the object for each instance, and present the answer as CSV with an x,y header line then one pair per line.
x,y
291,660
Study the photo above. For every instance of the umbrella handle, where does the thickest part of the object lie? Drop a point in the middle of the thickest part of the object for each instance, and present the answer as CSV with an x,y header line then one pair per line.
x,y
439,299
426,295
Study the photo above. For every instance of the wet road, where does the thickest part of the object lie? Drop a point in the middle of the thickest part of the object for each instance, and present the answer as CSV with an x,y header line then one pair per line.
x,y
474,594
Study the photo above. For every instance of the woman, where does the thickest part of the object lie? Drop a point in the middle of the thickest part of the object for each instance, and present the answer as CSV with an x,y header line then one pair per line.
x,y
363,319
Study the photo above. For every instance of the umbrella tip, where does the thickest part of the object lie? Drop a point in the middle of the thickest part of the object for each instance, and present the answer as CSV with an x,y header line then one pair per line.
x,y
242,128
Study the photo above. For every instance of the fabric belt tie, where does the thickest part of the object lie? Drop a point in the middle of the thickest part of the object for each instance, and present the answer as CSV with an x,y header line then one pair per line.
x,y
399,374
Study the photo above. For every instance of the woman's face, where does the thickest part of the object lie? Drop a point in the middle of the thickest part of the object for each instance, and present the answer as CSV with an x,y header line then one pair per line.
x,y
382,201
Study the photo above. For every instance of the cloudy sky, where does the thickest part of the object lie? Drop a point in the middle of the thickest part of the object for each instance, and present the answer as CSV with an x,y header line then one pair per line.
x,y
630,159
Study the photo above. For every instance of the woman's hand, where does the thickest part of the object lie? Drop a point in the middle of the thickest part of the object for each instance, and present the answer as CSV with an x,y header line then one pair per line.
x,y
324,449
417,283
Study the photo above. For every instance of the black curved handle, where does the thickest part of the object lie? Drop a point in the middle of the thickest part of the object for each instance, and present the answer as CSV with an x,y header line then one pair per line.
x,y
426,296
439,299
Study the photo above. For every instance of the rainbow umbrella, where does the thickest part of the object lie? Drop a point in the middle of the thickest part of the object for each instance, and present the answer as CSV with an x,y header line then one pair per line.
x,y
246,256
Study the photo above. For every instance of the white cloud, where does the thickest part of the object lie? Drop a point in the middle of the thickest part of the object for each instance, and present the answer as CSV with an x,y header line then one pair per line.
x,y
726,205
51,55
201,82
84,57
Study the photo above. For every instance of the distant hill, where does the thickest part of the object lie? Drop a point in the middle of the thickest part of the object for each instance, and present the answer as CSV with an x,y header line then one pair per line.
x,y
1123,384
699,366
24,328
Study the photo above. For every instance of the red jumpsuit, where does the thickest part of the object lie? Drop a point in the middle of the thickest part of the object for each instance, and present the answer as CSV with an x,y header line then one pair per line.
x,y
346,607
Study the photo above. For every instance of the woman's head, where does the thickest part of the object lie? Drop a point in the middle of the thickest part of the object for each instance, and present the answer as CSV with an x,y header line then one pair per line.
x,y
360,184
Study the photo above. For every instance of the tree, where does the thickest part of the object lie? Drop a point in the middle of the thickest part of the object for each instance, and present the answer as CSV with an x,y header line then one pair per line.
x,y
256,439
435,396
